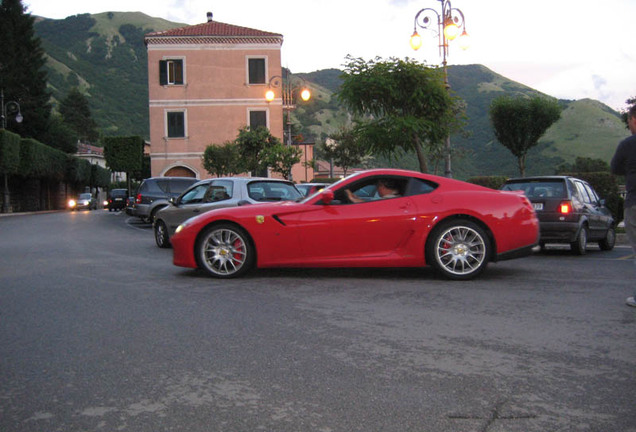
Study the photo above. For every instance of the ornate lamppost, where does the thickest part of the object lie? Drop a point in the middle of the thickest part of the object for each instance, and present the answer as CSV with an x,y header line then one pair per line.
x,y
10,108
449,25
290,88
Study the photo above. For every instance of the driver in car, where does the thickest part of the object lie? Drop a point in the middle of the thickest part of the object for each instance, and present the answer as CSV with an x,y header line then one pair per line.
x,y
386,188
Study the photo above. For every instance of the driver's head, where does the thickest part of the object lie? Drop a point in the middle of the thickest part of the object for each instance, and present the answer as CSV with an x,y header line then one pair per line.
x,y
386,186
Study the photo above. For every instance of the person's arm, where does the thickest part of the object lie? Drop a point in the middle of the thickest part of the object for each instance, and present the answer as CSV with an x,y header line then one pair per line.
x,y
351,197
618,164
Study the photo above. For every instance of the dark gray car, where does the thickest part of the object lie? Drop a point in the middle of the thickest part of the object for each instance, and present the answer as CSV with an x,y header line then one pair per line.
x,y
569,211
154,193
218,193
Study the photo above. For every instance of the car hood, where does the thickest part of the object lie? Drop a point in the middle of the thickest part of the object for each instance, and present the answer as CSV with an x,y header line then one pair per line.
x,y
246,211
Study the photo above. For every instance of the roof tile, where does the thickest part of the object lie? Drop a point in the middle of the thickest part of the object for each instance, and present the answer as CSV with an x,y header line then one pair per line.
x,y
214,28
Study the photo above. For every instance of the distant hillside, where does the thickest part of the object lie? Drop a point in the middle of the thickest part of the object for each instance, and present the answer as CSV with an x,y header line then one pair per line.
x,y
105,55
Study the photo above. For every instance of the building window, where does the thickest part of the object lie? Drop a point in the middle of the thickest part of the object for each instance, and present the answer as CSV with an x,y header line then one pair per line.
x,y
258,118
256,70
171,72
176,124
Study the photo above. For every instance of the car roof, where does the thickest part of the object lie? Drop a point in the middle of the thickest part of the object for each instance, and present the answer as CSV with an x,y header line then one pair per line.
x,y
539,178
244,180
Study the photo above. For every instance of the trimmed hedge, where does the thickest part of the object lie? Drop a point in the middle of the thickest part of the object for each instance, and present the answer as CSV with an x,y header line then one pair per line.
x,y
100,177
124,154
38,160
78,171
9,152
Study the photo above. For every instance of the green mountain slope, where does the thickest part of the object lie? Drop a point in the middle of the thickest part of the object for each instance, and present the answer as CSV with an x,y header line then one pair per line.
x,y
104,55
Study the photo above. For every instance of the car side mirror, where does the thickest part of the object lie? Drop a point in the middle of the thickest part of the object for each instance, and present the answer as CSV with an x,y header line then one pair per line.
x,y
243,202
326,196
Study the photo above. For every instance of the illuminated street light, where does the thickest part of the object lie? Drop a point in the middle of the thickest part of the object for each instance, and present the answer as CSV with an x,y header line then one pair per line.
x,y
10,108
449,25
290,87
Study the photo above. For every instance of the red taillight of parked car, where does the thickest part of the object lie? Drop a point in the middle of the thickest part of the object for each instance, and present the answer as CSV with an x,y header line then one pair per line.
x,y
138,199
565,207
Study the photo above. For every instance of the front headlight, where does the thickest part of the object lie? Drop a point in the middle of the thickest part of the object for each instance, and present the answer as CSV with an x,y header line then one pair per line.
x,y
179,228
72,203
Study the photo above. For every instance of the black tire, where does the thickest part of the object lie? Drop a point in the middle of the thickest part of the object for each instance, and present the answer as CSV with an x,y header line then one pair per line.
x,y
224,251
458,249
609,241
153,214
579,245
161,234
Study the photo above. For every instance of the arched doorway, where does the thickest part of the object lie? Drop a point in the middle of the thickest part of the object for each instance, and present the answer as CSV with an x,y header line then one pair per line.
x,y
179,171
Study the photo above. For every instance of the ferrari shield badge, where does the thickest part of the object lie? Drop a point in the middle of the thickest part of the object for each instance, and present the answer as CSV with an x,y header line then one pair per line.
x,y
260,219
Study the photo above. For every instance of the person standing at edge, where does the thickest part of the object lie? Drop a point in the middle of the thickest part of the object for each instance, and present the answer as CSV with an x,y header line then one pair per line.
x,y
624,163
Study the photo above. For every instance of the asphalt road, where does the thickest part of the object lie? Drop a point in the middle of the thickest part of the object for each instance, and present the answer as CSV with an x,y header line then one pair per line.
x,y
100,332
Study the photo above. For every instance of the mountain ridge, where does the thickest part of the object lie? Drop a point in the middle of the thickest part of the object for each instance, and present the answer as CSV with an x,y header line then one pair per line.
x,y
104,55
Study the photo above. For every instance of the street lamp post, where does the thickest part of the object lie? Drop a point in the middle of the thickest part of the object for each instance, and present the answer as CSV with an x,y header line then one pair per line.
x,y
449,24
10,108
291,87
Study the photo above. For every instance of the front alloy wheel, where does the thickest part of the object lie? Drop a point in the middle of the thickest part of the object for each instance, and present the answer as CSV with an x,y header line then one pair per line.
x,y
459,249
224,251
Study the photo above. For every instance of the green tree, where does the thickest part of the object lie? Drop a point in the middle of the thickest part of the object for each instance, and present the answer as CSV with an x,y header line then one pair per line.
x,y
252,145
22,74
405,105
220,160
76,113
60,135
344,149
519,123
281,158
124,154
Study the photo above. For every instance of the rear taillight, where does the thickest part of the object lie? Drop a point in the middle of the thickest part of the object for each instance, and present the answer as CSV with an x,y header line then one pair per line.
x,y
565,207
138,199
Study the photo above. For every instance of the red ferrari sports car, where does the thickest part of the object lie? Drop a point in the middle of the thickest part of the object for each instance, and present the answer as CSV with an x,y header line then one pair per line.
x,y
376,218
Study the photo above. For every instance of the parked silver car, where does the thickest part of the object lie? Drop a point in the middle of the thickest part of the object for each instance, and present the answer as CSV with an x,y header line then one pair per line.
x,y
217,193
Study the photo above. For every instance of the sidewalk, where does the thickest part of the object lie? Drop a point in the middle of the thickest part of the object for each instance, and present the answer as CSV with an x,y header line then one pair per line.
x,y
31,213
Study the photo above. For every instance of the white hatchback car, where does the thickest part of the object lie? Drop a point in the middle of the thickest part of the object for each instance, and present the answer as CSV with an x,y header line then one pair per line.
x,y
218,193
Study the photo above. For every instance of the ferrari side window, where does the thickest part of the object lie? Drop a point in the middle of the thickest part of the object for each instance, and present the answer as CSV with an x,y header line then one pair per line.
x,y
420,187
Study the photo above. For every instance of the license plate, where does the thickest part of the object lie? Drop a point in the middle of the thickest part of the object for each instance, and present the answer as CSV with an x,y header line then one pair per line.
x,y
537,206
119,199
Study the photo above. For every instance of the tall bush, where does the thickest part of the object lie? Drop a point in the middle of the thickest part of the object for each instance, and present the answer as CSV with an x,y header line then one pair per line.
x,y
9,152
38,160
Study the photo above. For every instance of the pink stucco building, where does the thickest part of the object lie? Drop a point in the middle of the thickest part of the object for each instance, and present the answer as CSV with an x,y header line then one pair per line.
x,y
205,82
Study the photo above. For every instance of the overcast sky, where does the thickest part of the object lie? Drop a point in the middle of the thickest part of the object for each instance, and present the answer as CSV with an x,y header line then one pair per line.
x,y
572,49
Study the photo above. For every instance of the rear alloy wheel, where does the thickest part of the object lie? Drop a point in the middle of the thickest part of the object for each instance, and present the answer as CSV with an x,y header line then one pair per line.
x,y
459,249
579,245
224,251
609,241
161,234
